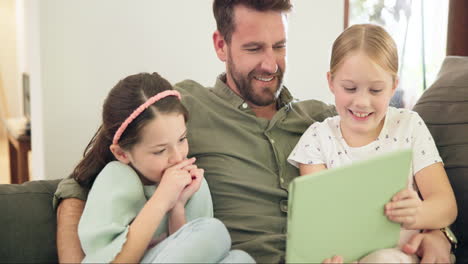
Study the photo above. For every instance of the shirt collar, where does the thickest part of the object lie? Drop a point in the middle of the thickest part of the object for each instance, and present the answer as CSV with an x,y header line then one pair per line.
x,y
222,90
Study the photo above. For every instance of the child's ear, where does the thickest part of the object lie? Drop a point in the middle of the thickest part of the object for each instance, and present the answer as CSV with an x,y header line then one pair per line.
x,y
119,153
220,45
330,83
395,85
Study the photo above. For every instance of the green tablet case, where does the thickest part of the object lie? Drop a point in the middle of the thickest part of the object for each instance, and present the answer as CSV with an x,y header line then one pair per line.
x,y
341,211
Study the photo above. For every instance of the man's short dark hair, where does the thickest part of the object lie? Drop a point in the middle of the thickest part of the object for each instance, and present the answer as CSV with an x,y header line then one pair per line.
x,y
223,11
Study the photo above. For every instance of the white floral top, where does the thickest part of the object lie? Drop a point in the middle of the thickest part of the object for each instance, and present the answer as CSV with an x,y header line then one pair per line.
x,y
323,143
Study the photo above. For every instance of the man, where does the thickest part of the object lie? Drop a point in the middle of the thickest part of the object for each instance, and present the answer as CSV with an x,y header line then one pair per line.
x,y
242,131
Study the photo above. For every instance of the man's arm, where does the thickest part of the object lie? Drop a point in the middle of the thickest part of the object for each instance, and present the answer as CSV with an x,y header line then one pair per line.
x,y
431,246
68,244
69,201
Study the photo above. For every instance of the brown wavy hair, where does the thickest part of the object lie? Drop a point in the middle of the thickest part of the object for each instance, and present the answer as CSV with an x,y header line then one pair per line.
x,y
126,96
223,11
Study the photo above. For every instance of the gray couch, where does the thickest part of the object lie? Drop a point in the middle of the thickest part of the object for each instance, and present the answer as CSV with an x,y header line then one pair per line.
x,y
444,108
28,223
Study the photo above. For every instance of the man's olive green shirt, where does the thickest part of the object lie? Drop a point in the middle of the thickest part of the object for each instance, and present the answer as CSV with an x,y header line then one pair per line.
x,y
245,162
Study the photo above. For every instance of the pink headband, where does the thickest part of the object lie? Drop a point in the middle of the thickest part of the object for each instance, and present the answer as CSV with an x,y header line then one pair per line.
x,y
140,109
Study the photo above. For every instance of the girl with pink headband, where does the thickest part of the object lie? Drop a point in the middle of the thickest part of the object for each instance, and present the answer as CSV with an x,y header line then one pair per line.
x,y
148,202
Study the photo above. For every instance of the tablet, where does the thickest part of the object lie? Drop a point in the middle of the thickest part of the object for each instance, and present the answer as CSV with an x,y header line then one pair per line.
x,y
341,211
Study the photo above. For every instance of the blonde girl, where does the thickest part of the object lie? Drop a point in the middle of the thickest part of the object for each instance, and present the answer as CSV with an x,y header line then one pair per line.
x,y
363,78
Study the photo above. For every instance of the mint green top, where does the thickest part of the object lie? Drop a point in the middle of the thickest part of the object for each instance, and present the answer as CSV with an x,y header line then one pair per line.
x,y
245,162
115,199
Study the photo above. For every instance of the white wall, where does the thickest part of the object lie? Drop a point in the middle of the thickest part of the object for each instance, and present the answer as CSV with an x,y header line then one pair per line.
x,y
84,47
313,27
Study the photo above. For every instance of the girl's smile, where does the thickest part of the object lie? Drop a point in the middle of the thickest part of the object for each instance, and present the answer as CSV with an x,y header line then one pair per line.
x,y
360,116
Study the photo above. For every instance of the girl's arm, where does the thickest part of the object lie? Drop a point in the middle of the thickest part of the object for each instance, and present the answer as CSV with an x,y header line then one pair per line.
x,y
177,214
176,218
139,234
305,169
438,208
141,230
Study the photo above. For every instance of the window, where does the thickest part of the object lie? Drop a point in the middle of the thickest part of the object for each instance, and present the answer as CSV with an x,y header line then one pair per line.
x,y
419,28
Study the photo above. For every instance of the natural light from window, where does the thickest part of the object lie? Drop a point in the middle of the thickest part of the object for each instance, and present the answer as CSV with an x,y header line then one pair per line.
x,y
419,28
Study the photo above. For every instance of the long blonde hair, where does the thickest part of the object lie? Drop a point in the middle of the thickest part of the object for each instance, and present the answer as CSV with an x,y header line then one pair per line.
x,y
371,39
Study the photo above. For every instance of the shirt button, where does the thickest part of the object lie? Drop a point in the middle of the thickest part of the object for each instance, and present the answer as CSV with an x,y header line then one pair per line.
x,y
272,141
244,105
281,180
284,206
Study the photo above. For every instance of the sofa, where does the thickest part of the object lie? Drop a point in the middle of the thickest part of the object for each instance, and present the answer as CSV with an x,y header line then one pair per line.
x,y
28,221
444,108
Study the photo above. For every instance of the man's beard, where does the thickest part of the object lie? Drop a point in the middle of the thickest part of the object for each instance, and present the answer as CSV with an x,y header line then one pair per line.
x,y
266,96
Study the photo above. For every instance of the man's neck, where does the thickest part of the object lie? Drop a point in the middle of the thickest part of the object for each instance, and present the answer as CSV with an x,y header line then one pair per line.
x,y
266,112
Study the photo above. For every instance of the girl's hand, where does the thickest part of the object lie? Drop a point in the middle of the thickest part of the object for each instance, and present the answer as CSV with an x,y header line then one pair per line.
x,y
404,208
173,182
177,213
334,259
197,177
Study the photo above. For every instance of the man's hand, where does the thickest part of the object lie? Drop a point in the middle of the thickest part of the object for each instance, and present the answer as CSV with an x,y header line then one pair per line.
x,y
431,247
68,244
404,208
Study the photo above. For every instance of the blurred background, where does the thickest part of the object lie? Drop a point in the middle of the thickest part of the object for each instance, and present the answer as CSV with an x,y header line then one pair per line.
x,y
59,58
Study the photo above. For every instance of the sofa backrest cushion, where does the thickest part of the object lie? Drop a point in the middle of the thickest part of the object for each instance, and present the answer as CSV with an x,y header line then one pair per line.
x,y
28,222
444,108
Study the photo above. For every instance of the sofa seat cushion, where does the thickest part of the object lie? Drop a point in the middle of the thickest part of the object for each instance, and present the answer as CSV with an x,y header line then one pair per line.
x,y
28,222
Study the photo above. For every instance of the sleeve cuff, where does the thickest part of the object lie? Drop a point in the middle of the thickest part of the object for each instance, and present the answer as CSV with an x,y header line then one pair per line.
x,y
69,188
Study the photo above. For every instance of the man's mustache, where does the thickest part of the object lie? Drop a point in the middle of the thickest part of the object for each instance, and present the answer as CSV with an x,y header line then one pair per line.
x,y
278,73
